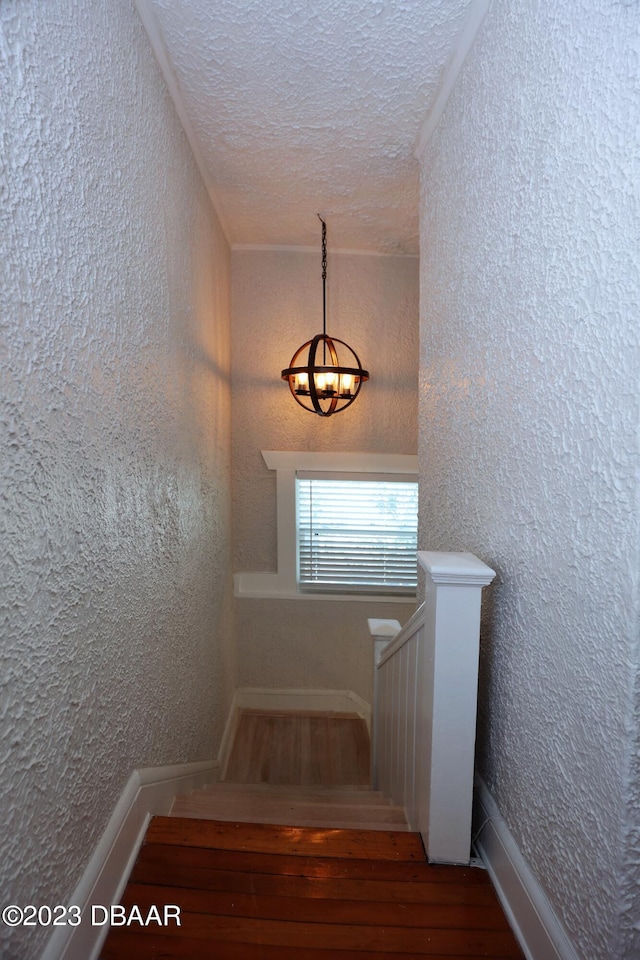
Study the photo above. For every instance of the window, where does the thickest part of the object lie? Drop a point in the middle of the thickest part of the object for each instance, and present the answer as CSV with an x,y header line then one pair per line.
x,y
297,577
357,534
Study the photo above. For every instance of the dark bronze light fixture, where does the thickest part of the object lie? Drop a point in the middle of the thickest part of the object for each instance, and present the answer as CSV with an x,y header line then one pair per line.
x,y
318,380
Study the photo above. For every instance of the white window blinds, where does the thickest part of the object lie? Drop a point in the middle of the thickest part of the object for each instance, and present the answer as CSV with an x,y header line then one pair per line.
x,y
357,535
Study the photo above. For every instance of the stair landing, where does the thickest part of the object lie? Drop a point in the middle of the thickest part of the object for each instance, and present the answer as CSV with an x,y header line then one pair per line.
x,y
297,769
293,747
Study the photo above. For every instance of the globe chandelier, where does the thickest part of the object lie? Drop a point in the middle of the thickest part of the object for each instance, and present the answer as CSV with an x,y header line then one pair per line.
x,y
325,374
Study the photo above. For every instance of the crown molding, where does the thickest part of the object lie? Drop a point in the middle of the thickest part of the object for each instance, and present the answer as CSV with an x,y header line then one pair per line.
x,y
477,12
156,39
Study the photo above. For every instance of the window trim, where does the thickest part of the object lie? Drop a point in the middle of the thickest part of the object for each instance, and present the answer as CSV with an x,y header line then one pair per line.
x,y
286,463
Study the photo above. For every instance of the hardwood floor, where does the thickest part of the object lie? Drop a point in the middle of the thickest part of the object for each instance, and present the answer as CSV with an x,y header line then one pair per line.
x,y
296,748
257,892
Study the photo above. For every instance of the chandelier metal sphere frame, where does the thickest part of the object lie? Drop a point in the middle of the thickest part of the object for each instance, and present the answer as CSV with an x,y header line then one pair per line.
x,y
325,374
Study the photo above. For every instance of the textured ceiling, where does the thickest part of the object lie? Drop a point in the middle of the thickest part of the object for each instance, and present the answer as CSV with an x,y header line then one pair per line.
x,y
309,106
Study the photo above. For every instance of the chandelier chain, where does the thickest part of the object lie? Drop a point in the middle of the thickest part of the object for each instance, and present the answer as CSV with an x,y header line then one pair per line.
x,y
324,284
324,247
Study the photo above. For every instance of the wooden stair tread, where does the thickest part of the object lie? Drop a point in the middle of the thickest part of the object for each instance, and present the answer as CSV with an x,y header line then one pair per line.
x,y
200,861
329,823
307,714
148,945
299,806
297,841
319,794
319,909
334,936
262,806
303,806
260,874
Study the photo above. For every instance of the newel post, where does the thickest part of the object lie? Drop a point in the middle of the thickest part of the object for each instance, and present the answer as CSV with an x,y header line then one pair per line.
x,y
382,633
447,710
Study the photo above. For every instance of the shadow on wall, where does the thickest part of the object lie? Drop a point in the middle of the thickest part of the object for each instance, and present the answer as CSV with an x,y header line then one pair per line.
x,y
487,661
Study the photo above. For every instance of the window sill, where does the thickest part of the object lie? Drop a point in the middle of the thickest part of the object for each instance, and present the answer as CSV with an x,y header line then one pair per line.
x,y
269,586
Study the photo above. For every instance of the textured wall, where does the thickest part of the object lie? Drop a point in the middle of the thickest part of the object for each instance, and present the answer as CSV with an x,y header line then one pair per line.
x,y
528,432
372,304
309,644
114,422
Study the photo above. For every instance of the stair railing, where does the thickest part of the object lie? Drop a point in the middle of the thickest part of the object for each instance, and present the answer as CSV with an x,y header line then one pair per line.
x,y
425,705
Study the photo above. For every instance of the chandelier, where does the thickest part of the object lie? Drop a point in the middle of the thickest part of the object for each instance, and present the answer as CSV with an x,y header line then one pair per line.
x,y
325,374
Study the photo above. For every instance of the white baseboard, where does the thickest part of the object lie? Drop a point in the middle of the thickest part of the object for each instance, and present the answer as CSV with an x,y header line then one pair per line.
x,y
539,930
228,737
148,792
326,701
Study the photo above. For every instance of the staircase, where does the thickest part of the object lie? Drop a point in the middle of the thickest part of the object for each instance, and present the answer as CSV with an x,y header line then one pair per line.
x,y
299,806
301,871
